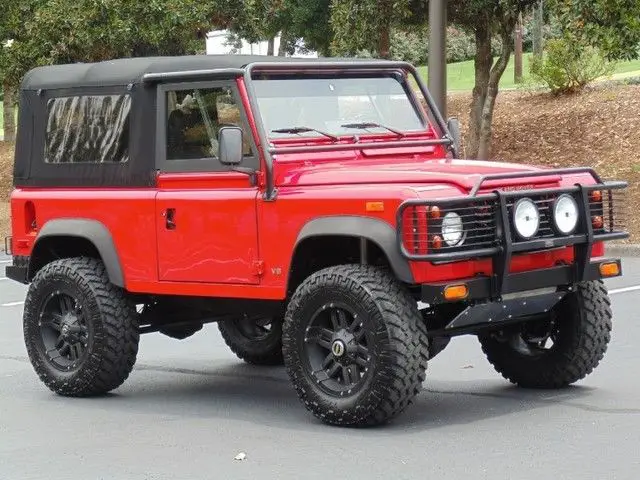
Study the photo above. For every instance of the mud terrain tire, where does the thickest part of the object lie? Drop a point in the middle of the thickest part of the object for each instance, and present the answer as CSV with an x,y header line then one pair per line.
x,y
98,310
260,347
393,345
583,332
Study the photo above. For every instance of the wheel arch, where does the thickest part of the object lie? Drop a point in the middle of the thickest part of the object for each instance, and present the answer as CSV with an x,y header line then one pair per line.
x,y
70,237
378,232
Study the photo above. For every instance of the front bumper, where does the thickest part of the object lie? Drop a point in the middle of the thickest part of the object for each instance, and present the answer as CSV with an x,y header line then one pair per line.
x,y
524,295
484,288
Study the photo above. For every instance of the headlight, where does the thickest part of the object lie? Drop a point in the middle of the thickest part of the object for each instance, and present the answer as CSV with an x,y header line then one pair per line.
x,y
452,229
526,218
565,214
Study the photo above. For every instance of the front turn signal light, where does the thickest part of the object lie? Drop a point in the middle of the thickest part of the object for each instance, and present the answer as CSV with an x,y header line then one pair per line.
x,y
597,222
609,269
456,292
374,206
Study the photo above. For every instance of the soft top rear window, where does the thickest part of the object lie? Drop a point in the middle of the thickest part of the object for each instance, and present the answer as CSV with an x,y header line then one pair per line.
x,y
88,129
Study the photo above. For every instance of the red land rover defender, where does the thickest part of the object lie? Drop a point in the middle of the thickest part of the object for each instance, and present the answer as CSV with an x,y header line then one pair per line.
x,y
317,210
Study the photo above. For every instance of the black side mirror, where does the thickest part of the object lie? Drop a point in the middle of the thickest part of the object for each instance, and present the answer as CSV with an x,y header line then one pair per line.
x,y
453,125
230,145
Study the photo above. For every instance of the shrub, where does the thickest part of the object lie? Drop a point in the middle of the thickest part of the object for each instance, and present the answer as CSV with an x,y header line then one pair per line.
x,y
568,66
409,47
460,46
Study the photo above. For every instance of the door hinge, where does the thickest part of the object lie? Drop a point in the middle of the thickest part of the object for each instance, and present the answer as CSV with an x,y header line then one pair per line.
x,y
258,268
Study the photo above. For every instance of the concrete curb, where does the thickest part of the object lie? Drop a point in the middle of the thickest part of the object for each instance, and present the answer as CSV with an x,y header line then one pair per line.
x,y
623,249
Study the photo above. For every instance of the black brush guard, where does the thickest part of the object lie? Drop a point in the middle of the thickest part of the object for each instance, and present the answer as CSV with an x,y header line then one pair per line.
x,y
497,298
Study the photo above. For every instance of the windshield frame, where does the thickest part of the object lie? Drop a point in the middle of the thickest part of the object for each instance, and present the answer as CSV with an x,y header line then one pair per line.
x,y
434,117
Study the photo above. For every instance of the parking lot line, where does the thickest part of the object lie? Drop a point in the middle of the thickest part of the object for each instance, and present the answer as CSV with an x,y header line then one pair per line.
x,y
624,290
12,304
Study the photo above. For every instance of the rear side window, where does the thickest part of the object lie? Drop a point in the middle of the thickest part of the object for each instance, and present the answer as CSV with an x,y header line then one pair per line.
x,y
88,129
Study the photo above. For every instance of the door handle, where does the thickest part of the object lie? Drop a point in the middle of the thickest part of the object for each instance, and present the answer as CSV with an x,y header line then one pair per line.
x,y
169,214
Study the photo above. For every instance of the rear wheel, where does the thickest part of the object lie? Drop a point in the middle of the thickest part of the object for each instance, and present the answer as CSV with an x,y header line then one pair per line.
x,y
355,345
559,349
256,340
80,330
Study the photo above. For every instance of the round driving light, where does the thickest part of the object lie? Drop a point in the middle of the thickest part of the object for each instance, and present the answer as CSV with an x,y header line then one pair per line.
x,y
452,229
565,214
526,218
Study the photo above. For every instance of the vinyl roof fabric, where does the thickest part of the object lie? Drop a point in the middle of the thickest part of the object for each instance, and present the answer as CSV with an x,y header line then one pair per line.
x,y
131,70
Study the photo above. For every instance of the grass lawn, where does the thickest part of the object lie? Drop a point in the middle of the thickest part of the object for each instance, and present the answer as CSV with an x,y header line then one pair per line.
x,y
460,76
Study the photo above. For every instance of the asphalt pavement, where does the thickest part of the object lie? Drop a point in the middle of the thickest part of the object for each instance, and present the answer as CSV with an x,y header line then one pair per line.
x,y
190,407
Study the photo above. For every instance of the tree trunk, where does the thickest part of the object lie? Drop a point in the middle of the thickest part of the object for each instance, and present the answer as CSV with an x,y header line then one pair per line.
x,y
271,46
284,44
538,25
483,62
9,114
517,57
484,144
384,41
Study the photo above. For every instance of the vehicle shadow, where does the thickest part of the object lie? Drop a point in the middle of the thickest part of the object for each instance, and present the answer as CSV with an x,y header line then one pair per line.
x,y
263,395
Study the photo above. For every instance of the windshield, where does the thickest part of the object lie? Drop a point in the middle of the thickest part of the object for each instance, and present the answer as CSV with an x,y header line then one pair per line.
x,y
337,106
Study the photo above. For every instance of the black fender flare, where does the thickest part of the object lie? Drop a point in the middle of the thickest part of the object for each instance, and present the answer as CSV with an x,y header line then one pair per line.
x,y
373,229
92,230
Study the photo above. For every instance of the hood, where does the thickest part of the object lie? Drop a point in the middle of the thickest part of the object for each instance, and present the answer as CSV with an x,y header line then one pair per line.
x,y
463,174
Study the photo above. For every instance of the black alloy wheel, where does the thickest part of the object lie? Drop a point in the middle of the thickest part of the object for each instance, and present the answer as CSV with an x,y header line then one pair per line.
x,y
337,349
64,331
355,345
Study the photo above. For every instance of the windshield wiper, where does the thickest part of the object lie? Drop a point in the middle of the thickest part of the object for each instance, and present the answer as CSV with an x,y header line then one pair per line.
x,y
297,130
367,125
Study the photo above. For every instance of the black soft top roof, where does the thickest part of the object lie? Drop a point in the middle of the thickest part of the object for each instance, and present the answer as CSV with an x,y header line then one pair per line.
x,y
131,70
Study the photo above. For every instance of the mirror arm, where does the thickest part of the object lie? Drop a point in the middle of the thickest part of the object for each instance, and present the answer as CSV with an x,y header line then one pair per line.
x,y
253,176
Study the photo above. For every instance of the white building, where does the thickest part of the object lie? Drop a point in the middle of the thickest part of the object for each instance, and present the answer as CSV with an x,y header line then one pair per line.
x,y
218,42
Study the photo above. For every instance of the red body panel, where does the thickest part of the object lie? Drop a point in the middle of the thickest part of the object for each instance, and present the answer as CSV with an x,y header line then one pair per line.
x,y
215,236
229,242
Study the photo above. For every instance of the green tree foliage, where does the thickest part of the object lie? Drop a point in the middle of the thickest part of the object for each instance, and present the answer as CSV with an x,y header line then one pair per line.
x,y
15,13
366,24
294,20
62,31
310,22
613,26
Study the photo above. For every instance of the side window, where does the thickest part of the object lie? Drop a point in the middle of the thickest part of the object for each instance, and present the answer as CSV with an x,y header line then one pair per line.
x,y
87,129
193,121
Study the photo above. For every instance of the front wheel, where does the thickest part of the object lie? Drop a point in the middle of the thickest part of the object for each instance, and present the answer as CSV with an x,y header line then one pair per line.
x,y
560,349
355,345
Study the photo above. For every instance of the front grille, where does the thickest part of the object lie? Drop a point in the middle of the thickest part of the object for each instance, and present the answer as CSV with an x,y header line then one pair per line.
x,y
421,234
422,227
479,226
609,208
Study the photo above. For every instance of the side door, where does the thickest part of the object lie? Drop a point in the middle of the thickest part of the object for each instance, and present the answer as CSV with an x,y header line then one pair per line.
x,y
205,212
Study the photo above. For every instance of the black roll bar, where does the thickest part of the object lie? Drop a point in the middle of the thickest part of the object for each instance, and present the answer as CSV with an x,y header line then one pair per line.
x,y
320,66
